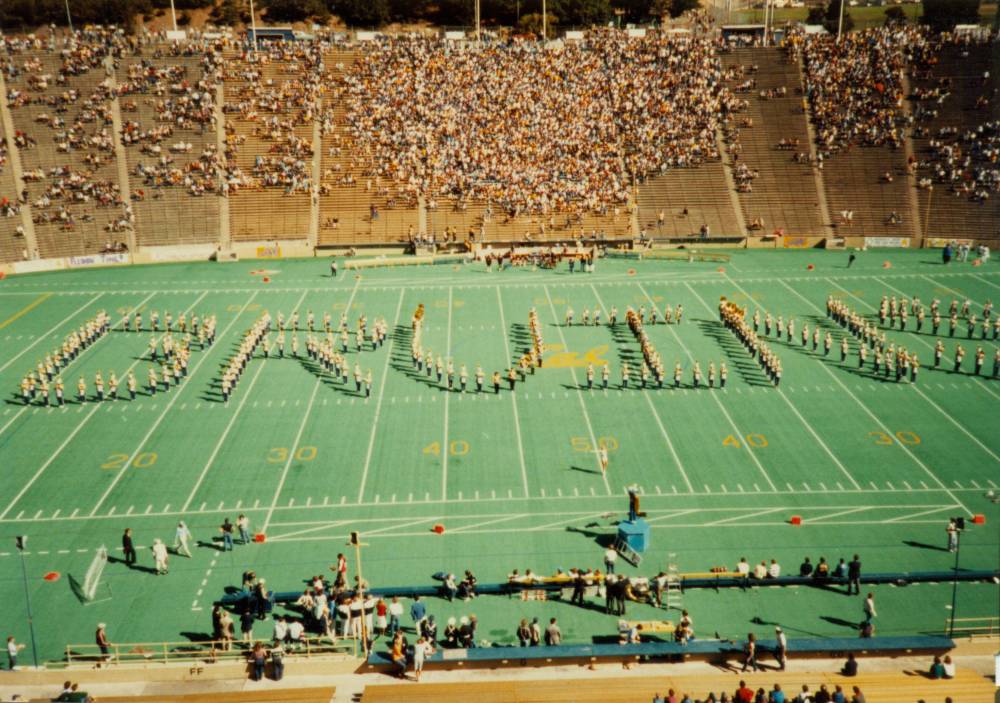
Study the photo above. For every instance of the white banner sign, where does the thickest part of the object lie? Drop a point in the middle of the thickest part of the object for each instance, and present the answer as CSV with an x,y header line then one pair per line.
x,y
97,260
897,242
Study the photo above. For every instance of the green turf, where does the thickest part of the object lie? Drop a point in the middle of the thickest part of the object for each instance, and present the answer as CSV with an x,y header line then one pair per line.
x,y
872,467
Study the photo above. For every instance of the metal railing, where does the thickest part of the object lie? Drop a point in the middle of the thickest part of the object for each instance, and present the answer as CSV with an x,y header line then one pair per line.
x,y
211,651
987,626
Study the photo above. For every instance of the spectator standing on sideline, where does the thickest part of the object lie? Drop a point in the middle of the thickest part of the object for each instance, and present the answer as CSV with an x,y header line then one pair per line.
x,y
227,535
781,648
12,649
278,661
854,576
128,547
160,556
869,608
243,523
421,650
418,612
750,650
259,658
246,625
395,612
101,639
553,635
610,557
181,539
952,531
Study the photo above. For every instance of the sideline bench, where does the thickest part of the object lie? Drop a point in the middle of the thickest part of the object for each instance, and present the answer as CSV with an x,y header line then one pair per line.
x,y
239,599
711,650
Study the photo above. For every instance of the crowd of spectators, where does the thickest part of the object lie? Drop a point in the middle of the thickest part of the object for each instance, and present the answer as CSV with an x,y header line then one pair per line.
x,y
536,130
854,86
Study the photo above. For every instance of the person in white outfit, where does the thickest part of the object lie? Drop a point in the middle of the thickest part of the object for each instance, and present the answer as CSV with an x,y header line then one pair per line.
x,y
160,556
181,539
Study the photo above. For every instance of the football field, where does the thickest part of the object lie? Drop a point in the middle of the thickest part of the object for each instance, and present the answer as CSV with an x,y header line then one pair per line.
x,y
872,466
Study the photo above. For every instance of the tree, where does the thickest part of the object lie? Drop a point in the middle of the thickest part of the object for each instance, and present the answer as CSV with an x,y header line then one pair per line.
x,y
294,10
815,15
226,13
831,20
943,15
581,12
895,15
676,8
362,13
532,23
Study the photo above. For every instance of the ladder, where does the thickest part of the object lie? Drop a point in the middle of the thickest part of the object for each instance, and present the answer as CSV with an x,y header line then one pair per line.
x,y
674,592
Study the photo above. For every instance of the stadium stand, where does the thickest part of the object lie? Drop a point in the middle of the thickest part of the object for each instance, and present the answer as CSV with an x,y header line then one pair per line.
x,y
956,141
61,103
269,113
774,144
167,105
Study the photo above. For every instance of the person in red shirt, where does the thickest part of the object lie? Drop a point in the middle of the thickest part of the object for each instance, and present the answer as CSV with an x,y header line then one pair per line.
x,y
743,694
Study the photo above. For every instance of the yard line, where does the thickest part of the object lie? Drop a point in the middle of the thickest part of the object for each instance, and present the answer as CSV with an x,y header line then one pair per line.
x,y
381,394
872,415
26,309
76,430
173,399
513,396
302,427
718,402
229,426
579,393
444,444
46,335
781,394
574,518
649,402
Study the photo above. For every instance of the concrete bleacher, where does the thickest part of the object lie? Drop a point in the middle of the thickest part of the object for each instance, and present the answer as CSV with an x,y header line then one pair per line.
x,y
688,198
784,192
345,208
950,214
263,213
888,687
87,235
168,214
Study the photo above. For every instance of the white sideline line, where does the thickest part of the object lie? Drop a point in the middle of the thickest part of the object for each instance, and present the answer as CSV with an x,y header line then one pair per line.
x,y
505,518
652,408
173,399
718,402
872,415
302,427
46,335
513,396
381,393
795,410
579,393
